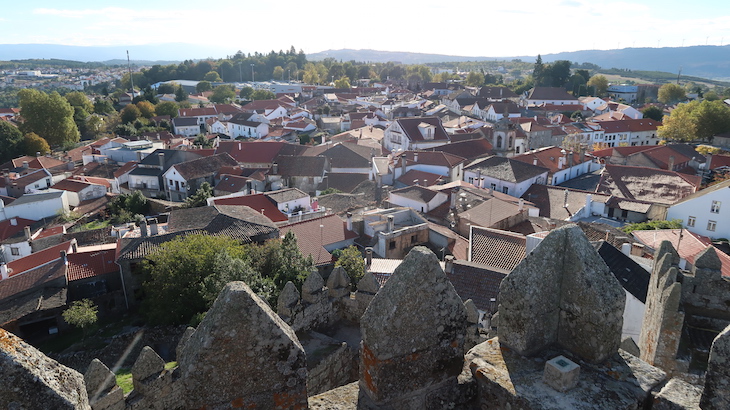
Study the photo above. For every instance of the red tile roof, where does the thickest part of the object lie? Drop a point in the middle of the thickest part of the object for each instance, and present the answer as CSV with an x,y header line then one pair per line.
x,y
414,177
256,152
496,248
51,231
314,234
89,264
410,127
7,229
549,158
647,184
689,247
71,185
629,125
37,259
258,202
127,167
429,158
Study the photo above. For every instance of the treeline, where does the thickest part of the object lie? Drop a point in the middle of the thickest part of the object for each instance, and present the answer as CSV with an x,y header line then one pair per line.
x,y
52,62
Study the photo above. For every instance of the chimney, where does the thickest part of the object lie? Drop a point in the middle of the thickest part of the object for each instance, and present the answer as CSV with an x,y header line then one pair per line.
x,y
479,178
415,182
139,156
521,205
425,182
349,221
453,198
449,263
589,205
13,222
161,160
4,273
391,223
570,160
670,165
626,248
262,211
143,228
275,168
25,164
74,247
64,257
534,161
37,153
69,165
368,256
153,227
415,157
240,146
28,236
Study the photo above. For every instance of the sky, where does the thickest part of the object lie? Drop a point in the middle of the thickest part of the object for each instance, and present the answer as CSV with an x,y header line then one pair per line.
x,y
470,28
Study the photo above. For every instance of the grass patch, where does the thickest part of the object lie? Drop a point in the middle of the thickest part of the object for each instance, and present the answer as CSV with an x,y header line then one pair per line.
x,y
90,226
124,377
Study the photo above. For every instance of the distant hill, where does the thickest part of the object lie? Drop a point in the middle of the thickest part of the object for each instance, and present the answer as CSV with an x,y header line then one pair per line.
x,y
700,61
150,53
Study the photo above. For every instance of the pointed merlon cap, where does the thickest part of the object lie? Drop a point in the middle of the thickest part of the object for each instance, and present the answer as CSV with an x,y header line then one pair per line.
x,y
562,293
148,363
708,259
243,356
338,278
99,379
288,298
312,287
716,394
368,284
31,380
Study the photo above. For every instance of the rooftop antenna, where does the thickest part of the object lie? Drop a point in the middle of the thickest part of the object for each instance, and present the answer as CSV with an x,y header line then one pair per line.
x,y
129,68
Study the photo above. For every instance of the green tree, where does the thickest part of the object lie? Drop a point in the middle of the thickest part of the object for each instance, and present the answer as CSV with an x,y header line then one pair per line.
x,y
103,106
599,83
260,94
696,121
94,125
146,109
174,276
130,113
475,79
278,73
652,225
180,94
538,71
671,93
82,314
222,93
212,77
166,88
125,207
200,197
79,99
33,144
711,96
203,86
226,269
246,93
281,261
343,82
653,112
48,115
10,141
352,261
167,108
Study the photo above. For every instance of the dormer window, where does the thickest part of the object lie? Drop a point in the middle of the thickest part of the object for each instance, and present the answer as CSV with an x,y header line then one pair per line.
x,y
427,130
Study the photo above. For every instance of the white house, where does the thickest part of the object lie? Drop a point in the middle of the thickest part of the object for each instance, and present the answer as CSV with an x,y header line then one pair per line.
x,y
238,127
187,126
80,191
47,204
505,175
706,212
549,96
631,132
415,133
417,197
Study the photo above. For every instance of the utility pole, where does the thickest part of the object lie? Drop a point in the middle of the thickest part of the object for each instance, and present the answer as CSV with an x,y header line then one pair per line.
x,y
129,68
240,71
252,79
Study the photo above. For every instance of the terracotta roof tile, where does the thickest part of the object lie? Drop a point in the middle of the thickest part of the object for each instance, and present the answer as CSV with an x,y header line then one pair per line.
x,y
315,234
477,282
690,246
496,248
90,264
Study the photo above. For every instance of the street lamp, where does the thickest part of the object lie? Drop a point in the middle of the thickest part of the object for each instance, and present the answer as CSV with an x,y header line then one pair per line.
x,y
252,80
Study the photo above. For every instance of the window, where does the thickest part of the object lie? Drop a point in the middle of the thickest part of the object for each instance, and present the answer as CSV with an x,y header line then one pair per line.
x,y
505,190
391,245
492,186
715,208
471,180
14,251
691,221
711,225
413,238
171,184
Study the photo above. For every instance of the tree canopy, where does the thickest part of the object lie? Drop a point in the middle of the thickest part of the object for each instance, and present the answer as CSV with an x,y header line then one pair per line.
x,y
352,261
32,144
200,197
222,94
653,112
671,93
600,83
82,314
167,108
48,115
10,139
184,276
696,121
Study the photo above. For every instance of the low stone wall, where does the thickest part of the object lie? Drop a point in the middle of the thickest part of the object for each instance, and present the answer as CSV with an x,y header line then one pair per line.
x,y
337,369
